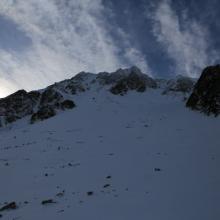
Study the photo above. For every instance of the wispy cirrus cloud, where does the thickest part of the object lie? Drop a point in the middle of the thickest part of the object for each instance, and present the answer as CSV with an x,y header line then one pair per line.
x,y
66,37
186,41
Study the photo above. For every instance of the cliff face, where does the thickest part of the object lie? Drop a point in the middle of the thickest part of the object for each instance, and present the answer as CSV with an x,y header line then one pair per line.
x,y
37,105
206,94
17,105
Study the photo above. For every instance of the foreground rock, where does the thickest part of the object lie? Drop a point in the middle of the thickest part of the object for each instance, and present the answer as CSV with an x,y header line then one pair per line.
x,y
206,94
9,206
48,201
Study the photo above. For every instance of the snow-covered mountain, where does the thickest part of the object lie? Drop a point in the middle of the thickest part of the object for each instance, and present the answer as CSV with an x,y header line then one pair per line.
x,y
112,146
46,103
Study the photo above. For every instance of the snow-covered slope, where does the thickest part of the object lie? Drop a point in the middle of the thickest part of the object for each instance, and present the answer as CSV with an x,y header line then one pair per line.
x,y
113,157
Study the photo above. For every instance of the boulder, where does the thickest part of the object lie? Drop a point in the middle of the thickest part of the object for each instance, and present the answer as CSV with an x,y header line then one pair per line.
x,y
67,104
9,206
48,201
206,94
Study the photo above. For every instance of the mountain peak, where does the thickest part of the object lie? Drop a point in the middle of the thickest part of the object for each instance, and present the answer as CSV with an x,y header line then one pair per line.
x,y
127,71
46,103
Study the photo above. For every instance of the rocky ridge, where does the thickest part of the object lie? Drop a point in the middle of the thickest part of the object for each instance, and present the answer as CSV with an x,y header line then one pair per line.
x,y
46,103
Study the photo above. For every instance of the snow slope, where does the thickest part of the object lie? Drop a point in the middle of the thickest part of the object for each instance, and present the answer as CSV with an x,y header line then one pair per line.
x,y
160,159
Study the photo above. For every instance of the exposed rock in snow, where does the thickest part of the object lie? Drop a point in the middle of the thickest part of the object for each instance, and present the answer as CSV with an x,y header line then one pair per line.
x,y
48,107
113,78
51,101
11,205
48,201
17,105
206,94
37,105
74,85
67,104
132,80
124,80
44,112
51,97
180,84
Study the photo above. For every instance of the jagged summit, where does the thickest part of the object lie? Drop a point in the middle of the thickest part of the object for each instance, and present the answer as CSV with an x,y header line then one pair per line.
x,y
119,73
127,71
46,103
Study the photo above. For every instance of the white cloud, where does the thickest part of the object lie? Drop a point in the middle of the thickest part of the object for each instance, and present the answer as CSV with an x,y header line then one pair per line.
x,y
186,40
132,54
67,37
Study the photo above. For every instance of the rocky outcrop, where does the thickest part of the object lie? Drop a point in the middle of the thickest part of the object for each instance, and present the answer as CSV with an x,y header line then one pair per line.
x,y
74,88
37,105
129,79
206,94
67,104
180,84
132,82
43,113
71,86
17,105
9,206
51,97
51,101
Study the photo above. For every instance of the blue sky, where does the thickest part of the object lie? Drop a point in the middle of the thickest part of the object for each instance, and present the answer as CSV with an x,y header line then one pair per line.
x,y
46,41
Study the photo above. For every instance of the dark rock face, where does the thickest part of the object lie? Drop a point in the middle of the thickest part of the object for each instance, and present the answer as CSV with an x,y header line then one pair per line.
x,y
74,88
51,101
43,113
67,104
180,84
34,96
18,105
134,80
206,94
50,97
75,85
39,106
